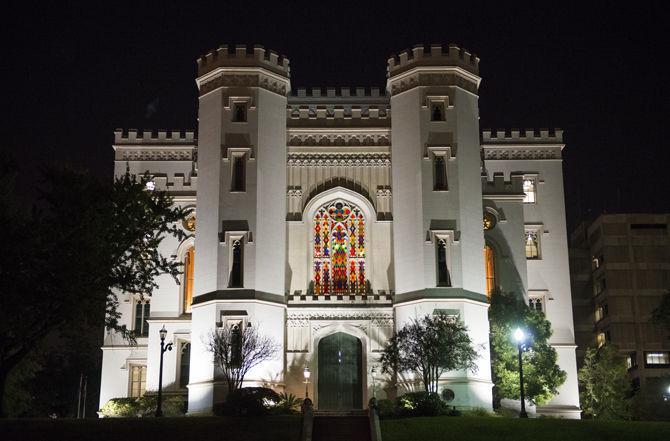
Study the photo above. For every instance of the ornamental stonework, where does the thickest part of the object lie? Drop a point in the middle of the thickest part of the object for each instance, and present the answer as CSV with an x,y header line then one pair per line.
x,y
339,159
251,80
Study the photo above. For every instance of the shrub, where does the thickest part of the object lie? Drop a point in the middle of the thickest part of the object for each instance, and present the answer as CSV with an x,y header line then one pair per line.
x,y
143,407
288,403
421,404
249,401
386,408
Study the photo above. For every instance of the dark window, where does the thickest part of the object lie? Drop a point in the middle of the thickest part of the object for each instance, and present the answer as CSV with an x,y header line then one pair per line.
x,y
443,278
436,112
239,112
141,318
439,173
236,267
235,345
184,365
239,179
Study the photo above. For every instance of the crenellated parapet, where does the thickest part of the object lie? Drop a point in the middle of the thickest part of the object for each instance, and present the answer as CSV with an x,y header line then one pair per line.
x,y
243,56
433,55
433,66
527,144
500,189
338,92
164,137
530,136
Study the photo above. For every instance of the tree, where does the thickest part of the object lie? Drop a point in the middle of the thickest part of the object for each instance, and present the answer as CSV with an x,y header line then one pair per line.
x,y
430,346
83,243
605,385
662,312
542,376
236,351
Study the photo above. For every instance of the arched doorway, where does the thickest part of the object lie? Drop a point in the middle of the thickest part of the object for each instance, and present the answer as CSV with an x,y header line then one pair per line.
x,y
340,366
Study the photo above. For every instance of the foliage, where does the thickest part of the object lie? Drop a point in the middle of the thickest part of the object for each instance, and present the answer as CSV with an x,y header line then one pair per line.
x,y
542,375
251,401
143,407
430,346
386,408
236,351
289,403
662,312
652,401
85,242
604,383
420,404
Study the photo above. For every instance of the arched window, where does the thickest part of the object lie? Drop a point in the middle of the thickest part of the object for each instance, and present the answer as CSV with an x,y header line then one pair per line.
x,y
443,277
532,245
490,263
339,249
236,279
184,364
189,259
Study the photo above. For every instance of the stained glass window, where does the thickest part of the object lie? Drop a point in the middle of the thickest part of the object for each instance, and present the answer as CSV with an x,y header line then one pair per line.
x,y
188,279
489,261
532,245
339,249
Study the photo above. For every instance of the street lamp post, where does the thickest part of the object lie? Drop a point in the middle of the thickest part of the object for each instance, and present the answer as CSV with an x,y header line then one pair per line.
x,y
164,348
520,338
306,373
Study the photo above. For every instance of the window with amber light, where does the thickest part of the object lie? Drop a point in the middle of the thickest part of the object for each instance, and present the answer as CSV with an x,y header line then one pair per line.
x,y
489,261
189,260
138,380
339,249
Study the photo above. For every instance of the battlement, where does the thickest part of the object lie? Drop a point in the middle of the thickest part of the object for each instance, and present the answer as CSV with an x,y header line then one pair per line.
x,y
524,136
243,56
337,112
338,92
501,188
433,55
134,136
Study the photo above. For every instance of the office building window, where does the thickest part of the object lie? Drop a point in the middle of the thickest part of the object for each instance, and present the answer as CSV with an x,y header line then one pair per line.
x,y
657,359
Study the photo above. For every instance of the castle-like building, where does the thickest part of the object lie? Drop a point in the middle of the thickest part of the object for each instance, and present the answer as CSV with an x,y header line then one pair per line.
x,y
329,218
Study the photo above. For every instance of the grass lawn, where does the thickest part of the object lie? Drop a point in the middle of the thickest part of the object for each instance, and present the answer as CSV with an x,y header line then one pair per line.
x,y
276,428
543,429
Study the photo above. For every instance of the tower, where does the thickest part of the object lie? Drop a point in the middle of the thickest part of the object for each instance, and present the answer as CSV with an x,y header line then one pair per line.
x,y
241,207
437,212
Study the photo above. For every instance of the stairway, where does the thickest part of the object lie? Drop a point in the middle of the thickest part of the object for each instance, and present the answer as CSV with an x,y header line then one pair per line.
x,y
341,425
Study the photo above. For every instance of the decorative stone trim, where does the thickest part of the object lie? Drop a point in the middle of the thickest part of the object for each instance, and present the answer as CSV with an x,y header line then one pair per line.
x,y
431,79
338,159
339,139
521,152
252,79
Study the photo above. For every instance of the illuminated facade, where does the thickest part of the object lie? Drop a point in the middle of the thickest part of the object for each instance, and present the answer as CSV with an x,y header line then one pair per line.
x,y
330,217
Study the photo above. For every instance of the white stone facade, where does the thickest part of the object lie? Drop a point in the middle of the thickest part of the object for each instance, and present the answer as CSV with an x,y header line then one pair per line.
x,y
267,174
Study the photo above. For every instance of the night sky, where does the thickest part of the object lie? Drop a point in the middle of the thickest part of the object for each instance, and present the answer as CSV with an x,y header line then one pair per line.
x,y
72,74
